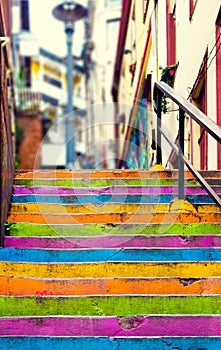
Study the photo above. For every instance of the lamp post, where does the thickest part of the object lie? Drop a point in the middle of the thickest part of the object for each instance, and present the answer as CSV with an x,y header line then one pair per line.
x,y
69,12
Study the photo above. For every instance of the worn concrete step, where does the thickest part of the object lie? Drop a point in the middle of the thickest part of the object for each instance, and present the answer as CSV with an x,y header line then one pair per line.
x,y
92,208
104,208
109,198
109,343
97,174
111,269
123,272
24,286
112,255
102,183
117,241
132,326
99,183
109,305
87,255
185,229
117,218
115,190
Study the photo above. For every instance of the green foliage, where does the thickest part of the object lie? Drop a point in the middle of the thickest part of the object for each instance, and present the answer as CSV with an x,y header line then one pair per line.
x,y
19,136
164,105
19,132
8,227
168,79
21,77
17,161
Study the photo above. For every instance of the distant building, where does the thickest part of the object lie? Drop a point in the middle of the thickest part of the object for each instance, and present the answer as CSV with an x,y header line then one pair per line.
x,y
178,42
104,26
49,78
41,94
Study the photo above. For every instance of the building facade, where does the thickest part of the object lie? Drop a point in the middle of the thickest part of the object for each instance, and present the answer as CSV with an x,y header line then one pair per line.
x,y
175,42
41,96
49,81
105,23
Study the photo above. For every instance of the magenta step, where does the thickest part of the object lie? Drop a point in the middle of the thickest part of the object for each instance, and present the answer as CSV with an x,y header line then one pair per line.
x,y
133,190
114,242
130,326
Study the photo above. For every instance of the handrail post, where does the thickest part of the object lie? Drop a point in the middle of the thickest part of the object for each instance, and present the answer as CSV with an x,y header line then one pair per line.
x,y
200,118
181,151
159,111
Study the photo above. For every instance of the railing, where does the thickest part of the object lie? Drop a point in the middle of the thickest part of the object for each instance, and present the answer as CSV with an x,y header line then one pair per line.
x,y
160,89
27,100
6,133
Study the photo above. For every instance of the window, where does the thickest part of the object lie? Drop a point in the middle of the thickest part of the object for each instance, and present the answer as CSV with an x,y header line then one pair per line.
x,y
171,32
112,30
132,67
113,3
49,99
147,89
15,2
199,96
52,81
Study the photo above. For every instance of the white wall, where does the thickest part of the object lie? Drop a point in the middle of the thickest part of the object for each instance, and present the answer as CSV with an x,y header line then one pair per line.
x,y
105,37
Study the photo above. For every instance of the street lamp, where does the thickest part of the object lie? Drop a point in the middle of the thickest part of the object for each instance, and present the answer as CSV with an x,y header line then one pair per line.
x,y
69,12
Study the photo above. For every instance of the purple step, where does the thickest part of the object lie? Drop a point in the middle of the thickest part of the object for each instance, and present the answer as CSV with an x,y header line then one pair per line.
x,y
115,242
130,326
133,190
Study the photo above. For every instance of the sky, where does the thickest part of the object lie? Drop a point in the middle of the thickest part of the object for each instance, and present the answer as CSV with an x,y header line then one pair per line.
x,y
49,31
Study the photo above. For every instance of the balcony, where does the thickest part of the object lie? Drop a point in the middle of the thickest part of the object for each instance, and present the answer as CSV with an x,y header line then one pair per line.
x,y
27,100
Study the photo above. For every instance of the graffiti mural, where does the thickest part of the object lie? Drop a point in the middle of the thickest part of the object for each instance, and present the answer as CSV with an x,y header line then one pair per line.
x,y
139,152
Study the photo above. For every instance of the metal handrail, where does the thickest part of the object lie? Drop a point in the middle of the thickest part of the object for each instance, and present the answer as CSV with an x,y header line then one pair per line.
x,y
160,89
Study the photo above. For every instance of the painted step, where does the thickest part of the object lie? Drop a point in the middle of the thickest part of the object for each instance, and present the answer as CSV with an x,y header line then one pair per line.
x,y
104,208
109,305
110,255
109,343
24,286
111,269
93,183
105,198
115,218
128,173
115,190
122,241
30,229
133,326
127,274
91,208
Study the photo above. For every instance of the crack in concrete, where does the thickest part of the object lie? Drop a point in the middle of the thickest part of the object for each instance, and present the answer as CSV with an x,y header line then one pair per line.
x,y
117,252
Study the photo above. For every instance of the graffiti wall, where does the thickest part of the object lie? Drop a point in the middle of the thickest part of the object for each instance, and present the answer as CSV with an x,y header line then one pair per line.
x,y
139,151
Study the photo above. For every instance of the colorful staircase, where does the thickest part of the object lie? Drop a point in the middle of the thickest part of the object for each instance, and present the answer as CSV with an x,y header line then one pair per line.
x,y
110,260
